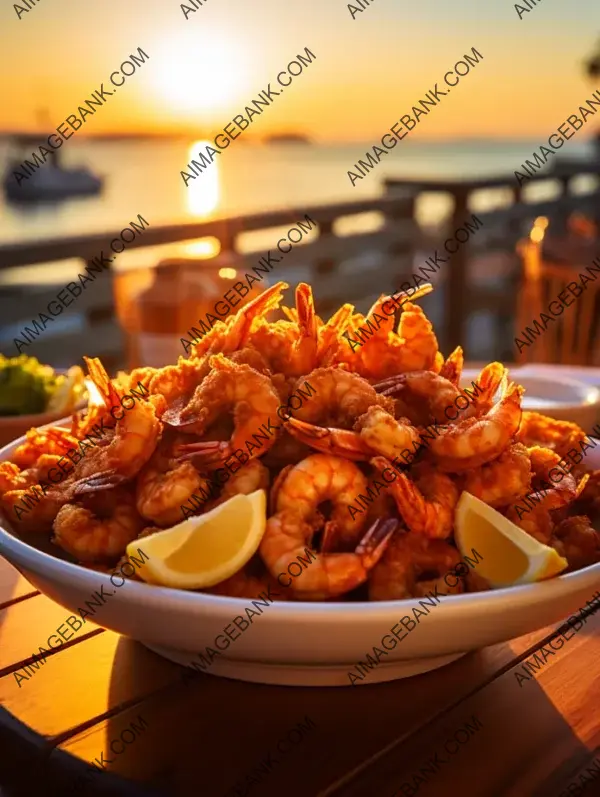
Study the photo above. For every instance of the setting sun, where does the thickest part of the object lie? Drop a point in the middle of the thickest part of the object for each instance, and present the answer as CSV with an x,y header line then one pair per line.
x,y
202,73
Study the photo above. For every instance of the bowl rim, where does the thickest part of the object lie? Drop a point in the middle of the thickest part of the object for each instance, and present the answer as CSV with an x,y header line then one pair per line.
x,y
78,576
577,385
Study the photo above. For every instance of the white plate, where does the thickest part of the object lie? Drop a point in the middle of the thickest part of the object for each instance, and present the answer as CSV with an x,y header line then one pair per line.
x,y
553,394
308,644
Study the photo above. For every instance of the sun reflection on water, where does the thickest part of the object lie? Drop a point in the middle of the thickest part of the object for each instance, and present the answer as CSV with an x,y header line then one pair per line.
x,y
202,196
203,192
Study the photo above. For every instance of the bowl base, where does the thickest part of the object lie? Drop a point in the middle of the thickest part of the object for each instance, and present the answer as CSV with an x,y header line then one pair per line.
x,y
307,674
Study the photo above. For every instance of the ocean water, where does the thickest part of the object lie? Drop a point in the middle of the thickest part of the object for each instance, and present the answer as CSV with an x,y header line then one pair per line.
x,y
144,177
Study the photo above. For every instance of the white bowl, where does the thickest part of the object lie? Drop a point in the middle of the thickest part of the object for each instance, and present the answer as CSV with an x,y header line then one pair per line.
x,y
553,394
308,644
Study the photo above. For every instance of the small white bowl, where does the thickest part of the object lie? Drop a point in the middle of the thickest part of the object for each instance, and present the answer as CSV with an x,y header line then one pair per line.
x,y
303,644
557,396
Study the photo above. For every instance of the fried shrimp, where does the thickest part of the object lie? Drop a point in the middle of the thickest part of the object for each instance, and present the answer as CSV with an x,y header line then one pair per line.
x,y
427,503
292,347
135,437
539,430
504,480
245,480
413,565
453,366
375,432
472,442
163,485
577,541
228,336
326,576
54,440
320,478
357,427
379,352
100,533
533,513
250,582
253,399
178,382
13,478
426,395
340,397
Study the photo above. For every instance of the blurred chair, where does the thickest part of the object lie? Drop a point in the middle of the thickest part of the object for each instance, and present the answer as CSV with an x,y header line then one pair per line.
x,y
548,266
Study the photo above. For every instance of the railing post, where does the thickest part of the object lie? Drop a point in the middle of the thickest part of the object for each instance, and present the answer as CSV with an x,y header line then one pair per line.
x,y
563,209
326,264
401,250
516,221
456,285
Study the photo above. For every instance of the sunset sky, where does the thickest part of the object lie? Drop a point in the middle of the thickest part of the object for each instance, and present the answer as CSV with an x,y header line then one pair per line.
x,y
368,71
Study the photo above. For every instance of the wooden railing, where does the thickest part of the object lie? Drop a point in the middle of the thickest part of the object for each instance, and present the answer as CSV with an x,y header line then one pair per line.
x,y
502,227
327,260
356,267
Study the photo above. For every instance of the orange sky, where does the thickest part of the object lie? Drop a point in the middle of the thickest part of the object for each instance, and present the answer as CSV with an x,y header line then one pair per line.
x,y
368,71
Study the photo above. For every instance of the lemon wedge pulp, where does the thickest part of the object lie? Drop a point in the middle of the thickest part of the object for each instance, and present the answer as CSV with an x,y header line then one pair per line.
x,y
509,555
205,550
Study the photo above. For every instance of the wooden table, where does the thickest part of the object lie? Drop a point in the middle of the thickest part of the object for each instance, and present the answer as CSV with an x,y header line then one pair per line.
x,y
471,728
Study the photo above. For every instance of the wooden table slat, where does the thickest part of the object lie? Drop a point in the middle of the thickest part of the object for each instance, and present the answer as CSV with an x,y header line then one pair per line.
x,y
13,586
235,725
534,734
26,626
85,682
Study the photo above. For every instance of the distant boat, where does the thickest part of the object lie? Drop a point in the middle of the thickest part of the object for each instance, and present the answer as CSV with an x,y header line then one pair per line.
x,y
49,182
287,138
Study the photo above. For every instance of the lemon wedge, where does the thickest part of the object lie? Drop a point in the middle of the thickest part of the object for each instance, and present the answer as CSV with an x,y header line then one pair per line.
x,y
205,550
509,555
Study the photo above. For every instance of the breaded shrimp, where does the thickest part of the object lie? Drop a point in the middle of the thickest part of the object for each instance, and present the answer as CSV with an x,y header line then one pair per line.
x,y
101,532
539,430
504,480
54,440
325,576
234,333
376,432
472,442
321,478
532,513
253,399
452,367
135,437
379,352
577,541
411,566
160,493
426,501
250,582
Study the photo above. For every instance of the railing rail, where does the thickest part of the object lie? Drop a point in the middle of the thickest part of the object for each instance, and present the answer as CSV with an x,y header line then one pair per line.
x,y
326,256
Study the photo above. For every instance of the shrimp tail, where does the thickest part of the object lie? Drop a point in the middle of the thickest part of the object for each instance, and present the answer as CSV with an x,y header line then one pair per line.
x,y
268,300
373,544
339,442
99,377
209,452
392,386
453,366
104,480
307,319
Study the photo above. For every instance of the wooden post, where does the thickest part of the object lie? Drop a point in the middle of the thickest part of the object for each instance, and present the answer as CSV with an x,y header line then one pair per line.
x,y
562,211
325,265
401,251
517,218
456,285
